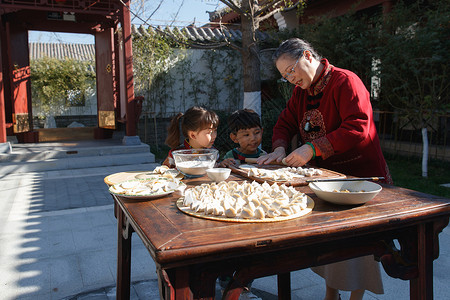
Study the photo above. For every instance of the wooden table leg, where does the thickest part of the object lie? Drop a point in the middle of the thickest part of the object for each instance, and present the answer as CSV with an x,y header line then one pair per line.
x,y
166,290
182,289
284,286
123,256
232,293
421,288
184,283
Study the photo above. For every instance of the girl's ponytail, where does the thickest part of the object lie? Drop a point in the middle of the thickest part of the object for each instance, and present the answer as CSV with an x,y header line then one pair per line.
x,y
173,132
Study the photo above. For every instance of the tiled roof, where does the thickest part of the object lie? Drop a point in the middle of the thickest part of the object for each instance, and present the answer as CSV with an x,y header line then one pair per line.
x,y
84,52
214,15
197,34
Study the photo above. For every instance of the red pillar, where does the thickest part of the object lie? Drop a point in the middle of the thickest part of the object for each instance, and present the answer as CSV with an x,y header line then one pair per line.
x,y
3,136
128,74
2,105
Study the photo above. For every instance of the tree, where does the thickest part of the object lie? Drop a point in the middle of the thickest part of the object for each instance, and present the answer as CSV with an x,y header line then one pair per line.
x,y
347,41
252,13
55,88
413,68
151,60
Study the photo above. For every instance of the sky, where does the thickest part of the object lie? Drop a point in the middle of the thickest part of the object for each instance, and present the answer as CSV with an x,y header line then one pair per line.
x,y
189,11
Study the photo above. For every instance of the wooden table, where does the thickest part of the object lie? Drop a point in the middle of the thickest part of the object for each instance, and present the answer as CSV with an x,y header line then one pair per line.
x,y
190,252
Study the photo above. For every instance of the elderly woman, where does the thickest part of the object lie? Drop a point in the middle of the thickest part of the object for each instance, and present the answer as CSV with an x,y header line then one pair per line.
x,y
330,109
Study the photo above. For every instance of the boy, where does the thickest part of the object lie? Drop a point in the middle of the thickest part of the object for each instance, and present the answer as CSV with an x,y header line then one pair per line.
x,y
246,130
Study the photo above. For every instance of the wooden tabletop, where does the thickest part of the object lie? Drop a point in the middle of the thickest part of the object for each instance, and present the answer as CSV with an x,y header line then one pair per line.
x,y
172,236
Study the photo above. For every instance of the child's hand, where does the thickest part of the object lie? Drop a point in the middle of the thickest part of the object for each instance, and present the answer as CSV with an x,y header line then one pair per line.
x,y
228,162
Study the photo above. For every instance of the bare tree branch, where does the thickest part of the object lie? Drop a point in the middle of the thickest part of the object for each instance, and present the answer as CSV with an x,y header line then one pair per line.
x,y
269,5
233,6
197,45
139,8
176,15
156,9
269,14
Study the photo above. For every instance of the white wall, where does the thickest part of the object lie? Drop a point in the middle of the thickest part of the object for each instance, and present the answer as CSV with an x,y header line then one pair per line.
x,y
196,77
211,78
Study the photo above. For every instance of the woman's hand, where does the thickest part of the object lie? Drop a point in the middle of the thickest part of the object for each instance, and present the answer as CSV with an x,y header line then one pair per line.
x,y
299,156
277,155
228,162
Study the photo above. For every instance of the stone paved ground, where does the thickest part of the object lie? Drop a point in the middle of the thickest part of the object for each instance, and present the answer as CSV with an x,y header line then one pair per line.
x,y
61,247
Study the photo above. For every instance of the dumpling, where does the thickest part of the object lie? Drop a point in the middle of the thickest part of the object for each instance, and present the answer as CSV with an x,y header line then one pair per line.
x,y
252,197
209,208
259,213
129,184
230,212
161,169
198,206
171,174
240,202
273,213
296,209
255,202
247,213
264,206
188,199
118,189
219,210
286,210
265,185
252,172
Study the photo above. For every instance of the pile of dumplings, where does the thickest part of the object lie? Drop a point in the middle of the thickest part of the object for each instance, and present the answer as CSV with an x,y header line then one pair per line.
x,y
167,172
245,200
284,174
146,187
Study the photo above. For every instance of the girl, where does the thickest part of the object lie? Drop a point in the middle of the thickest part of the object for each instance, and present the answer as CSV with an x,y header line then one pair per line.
x,y
199,128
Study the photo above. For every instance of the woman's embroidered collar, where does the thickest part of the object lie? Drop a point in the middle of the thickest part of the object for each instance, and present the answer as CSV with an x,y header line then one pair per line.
x,y
321,82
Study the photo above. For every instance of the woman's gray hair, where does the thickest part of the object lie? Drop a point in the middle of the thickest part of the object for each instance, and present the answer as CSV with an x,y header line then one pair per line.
x,y
294,48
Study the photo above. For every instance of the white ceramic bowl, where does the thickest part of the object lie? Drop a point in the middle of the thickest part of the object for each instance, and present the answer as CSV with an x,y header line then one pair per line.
x,y
358,191
218,174
194,162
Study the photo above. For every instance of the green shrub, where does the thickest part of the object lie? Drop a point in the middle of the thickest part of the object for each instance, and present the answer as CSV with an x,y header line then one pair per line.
x,y
406,172
58,84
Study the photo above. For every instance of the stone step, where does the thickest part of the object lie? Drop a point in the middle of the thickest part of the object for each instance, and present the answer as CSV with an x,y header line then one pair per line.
x,y
76,162
36,157
39,152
